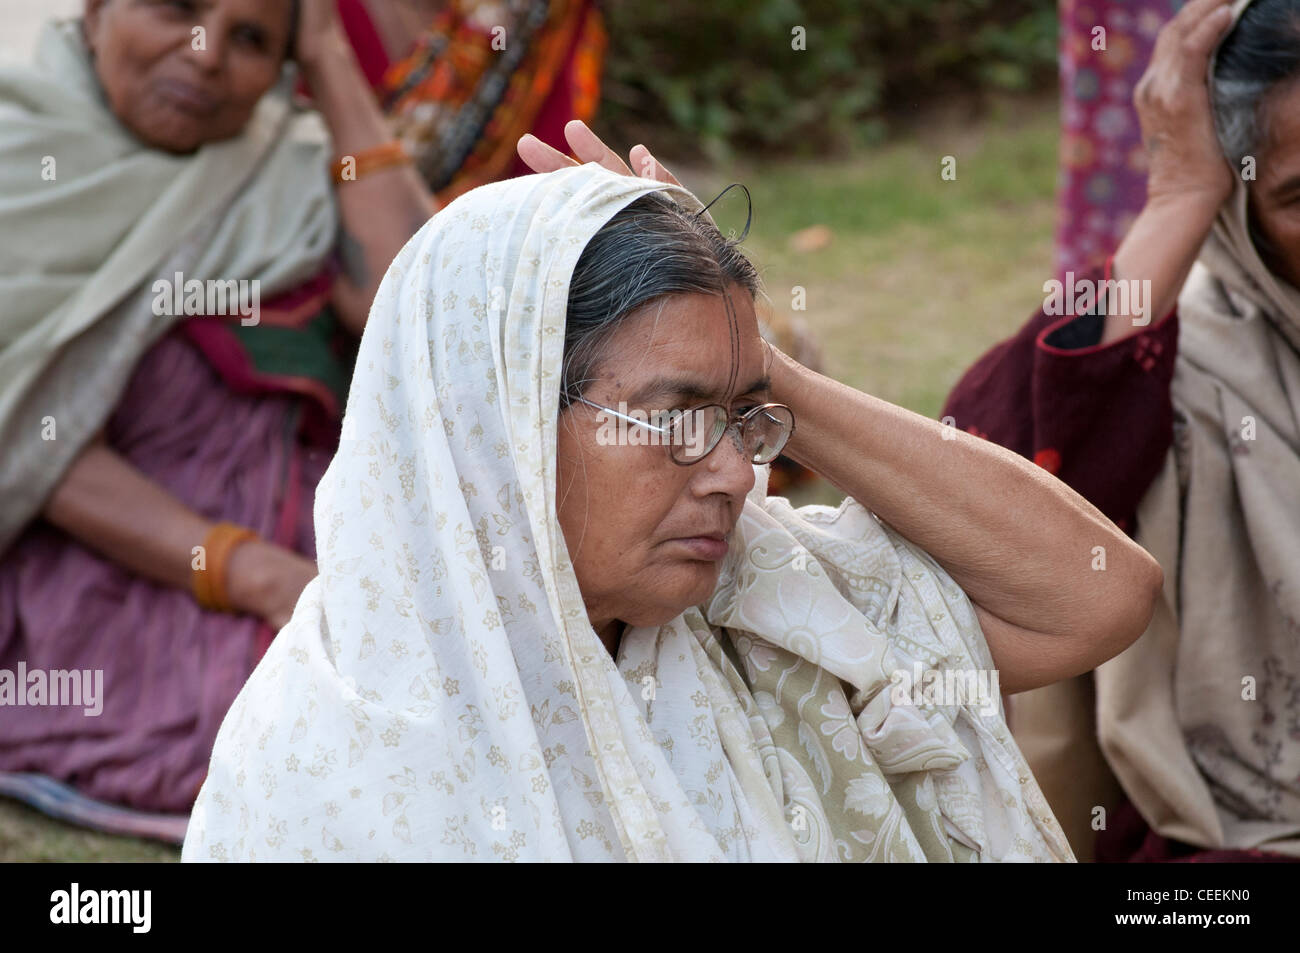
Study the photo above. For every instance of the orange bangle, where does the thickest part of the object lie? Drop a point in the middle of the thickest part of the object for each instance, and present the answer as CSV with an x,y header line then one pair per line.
x,y
210,582
370,160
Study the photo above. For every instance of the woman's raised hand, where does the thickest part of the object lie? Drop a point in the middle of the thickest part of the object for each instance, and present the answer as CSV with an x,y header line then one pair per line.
x,y
318,27
1173,106
1187,179
587,146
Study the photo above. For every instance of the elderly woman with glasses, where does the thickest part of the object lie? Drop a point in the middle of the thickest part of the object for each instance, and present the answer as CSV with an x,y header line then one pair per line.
x,y
559,618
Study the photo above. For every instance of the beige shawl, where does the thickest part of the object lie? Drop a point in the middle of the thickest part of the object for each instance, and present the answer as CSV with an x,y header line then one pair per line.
x,y
90,217
1200,718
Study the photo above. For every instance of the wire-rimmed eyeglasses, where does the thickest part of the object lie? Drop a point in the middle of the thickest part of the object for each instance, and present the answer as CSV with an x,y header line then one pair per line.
x,y
691,435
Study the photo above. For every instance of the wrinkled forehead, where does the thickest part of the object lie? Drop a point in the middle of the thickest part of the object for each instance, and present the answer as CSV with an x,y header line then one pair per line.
x,y
689,348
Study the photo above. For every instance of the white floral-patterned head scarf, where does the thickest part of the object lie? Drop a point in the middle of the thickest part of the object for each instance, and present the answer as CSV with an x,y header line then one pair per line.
x,y
441,694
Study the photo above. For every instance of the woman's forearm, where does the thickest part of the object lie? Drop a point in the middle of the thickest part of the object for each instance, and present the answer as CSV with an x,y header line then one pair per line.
x,y
1187,177
1160,247
381,210
108,505
1023,545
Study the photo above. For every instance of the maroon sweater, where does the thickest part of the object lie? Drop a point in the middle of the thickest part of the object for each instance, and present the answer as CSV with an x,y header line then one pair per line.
x,y
1099,417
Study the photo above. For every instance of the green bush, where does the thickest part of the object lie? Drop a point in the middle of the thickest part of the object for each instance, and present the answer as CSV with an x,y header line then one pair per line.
x,y
722,75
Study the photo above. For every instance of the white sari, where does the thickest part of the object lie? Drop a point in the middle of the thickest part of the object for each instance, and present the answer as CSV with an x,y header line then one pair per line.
x,y
441,695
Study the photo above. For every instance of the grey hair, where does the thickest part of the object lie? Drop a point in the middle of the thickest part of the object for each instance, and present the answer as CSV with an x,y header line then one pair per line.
x,y
1261,53
650,249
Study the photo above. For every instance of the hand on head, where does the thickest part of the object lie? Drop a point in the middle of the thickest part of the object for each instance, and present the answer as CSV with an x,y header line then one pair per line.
x,y
317,27
1173,106
588,147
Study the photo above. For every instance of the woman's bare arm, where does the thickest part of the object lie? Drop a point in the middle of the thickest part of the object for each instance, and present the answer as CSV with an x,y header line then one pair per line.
x,y
1023,545
108,505
1188,178
382,210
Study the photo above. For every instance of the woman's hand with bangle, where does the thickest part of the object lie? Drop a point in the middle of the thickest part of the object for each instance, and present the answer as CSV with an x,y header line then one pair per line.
x,y
265,580
379,212
108,505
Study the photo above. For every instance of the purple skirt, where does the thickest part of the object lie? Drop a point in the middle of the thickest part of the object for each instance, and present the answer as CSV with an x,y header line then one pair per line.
x,y
170,669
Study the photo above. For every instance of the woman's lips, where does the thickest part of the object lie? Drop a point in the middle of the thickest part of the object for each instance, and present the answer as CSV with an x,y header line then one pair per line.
x,y
711,548
187,97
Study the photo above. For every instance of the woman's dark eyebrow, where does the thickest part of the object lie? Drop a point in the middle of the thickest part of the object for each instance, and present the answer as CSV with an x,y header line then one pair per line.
x,y
683,388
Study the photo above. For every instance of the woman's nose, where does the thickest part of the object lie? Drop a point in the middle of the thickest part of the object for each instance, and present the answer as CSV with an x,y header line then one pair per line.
x,y
207,47
730,467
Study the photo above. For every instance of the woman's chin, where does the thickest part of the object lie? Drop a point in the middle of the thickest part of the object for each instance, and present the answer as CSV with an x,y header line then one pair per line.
x,y
175,132
165,139
695,589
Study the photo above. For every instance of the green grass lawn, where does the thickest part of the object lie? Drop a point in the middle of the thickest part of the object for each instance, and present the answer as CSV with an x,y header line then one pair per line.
x,y
26,835
920,277
921,274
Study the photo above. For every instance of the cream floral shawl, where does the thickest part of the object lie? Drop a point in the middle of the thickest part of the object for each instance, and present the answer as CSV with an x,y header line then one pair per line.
x,y
440,694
